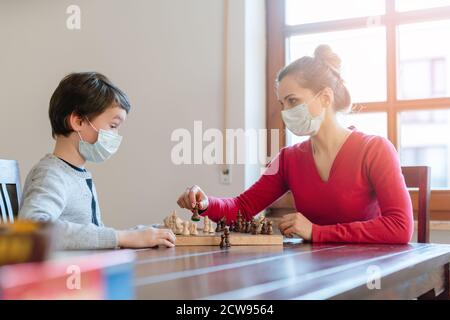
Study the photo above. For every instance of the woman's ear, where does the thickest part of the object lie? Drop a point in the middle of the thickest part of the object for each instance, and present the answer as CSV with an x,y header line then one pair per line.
x,y
75,122
327,97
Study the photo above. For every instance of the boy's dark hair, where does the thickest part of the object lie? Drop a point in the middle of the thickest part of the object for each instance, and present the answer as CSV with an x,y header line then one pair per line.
x,y
87,94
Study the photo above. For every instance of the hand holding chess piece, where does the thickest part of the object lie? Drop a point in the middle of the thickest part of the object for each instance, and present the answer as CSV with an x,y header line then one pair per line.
x,y
193,199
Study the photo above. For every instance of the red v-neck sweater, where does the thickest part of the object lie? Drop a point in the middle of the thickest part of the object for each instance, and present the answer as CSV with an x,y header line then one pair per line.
x,y
365,199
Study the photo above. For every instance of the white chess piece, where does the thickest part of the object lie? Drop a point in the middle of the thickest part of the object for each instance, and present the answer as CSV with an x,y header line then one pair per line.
x,y
193,229
179,226
206,225
211,227
186,228
169,221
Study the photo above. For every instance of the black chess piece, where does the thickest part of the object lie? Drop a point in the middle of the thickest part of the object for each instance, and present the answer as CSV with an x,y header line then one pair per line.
x,y
270,228
264,227
221,224
248,227
226,235
254,227
222,241
238,226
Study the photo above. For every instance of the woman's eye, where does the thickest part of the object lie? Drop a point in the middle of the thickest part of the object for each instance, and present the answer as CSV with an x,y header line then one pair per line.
x,y
292,101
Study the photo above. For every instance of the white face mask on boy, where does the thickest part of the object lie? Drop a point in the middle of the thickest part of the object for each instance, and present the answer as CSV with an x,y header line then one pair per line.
x,y
300,121
106,145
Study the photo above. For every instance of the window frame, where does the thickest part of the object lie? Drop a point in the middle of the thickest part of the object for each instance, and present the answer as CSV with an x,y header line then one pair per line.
x,y
278,32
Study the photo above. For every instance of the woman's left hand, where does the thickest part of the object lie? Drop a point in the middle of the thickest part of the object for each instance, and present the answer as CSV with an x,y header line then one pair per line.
x,y
296,223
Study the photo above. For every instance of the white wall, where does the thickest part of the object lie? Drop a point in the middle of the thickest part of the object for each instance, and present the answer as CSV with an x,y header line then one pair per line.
x,y
166,54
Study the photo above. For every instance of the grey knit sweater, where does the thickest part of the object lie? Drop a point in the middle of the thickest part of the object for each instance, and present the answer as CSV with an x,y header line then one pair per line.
x,y
54,191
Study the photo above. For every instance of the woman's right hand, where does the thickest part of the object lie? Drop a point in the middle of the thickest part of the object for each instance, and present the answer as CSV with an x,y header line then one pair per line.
x,y
193,197
148,237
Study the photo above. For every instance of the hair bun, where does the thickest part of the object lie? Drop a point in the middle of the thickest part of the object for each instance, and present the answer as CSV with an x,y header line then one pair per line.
x,y
324,53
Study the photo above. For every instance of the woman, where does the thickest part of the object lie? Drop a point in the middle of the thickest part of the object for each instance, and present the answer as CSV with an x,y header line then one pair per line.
x,y
347,185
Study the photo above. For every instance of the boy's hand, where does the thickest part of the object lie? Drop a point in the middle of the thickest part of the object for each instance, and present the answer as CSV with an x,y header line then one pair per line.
x,y
146,238
193,198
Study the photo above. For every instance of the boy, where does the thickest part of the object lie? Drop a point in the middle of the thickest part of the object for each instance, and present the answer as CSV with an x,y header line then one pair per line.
x,y
86,111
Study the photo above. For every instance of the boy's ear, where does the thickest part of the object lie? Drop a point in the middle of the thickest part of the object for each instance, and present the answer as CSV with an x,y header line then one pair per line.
x,y
75,122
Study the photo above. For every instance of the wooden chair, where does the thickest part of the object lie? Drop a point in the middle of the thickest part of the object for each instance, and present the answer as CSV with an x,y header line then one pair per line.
x,y
419,177
10,190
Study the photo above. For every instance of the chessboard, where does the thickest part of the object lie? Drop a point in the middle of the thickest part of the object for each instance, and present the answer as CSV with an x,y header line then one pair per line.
x,y
257,232
236,239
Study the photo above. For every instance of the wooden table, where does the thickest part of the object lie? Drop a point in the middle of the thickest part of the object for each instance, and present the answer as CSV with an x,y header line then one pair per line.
x,y
294,271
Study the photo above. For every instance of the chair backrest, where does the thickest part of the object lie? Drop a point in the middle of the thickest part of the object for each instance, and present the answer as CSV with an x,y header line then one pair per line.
x,y
10,190
419,177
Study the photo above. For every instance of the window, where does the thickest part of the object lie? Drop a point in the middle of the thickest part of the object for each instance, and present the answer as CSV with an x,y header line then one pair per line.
x,y
425,140
366,48
424,60
395,61
306,11
410,5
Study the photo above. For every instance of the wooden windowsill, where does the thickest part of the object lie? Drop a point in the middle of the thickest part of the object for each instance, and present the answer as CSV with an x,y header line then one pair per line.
x,y
436,225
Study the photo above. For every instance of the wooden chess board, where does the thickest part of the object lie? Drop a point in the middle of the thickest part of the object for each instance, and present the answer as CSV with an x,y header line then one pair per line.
x,y
236,239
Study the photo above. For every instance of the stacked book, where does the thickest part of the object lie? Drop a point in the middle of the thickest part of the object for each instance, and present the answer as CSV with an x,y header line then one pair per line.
x,y
97,275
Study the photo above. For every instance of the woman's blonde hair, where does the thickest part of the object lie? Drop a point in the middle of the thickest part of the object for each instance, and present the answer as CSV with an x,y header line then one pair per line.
x,y
319,72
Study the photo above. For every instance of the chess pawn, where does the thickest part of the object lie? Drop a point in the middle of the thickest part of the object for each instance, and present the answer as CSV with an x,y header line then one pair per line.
x,y
193,229
270,228
227,242
259,227
254,227
218,227
248,227
239,225
223,224
211,227
206,225
186,228
264,227
222,241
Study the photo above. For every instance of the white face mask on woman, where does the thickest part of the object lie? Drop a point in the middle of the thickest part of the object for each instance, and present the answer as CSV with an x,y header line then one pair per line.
x,y
106,145
300,121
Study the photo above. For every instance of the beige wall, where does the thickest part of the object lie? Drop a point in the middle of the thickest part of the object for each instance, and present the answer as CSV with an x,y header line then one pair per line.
x,y
166,54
